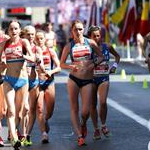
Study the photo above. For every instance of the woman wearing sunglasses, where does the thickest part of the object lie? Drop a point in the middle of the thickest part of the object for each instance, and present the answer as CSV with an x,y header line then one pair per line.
x,y
80,77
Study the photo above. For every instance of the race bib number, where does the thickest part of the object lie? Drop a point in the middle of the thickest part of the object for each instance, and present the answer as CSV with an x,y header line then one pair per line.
x,y
101,69
81,53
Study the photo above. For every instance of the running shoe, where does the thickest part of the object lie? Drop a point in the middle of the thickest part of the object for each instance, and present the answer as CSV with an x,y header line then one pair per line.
x,y
20,137
23,140
1,142
81,141
28,141
16,144
105,131
96,134
84,130
45,139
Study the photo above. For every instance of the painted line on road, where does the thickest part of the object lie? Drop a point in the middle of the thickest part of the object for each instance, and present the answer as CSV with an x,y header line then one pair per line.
x,y
113,78
128,113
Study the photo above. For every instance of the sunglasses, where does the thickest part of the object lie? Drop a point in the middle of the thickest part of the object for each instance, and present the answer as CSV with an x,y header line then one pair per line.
x,y
93,28
79,29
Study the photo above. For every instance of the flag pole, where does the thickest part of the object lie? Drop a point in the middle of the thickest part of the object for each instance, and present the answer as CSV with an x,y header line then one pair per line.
x,y
98,12
88,20
128,50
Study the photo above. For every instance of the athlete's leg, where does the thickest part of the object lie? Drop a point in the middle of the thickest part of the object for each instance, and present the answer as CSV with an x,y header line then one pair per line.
x,y
93,112
25,118
22,107
2,102
40,111
40,117
10,101
86,97
2,111
73,91
49,98
103,92
49,104
33,96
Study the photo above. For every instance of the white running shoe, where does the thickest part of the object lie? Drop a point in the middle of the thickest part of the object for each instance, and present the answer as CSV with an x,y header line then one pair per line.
x,y
45,138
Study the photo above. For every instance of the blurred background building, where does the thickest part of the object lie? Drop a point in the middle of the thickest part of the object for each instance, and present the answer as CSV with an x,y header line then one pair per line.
x,y
120,20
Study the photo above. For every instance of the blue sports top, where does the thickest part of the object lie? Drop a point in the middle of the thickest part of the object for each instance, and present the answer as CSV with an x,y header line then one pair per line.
x,y
79,52
103,68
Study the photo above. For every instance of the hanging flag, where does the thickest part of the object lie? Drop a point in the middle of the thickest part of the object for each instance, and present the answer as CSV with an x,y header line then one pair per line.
x,y
118,16
93,15
127,29
94,18
27,3
105,22
145,18
138,20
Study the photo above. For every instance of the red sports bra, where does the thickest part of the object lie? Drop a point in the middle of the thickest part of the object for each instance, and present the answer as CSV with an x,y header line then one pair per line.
x,y
46,57
14,52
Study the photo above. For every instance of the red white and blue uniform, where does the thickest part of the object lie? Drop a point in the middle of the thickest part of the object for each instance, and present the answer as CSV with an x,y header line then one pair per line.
x,y
101,71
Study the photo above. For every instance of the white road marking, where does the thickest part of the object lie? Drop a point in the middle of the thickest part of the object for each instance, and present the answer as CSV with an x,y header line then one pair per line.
x,y
68,135
129,113
113,78
149,145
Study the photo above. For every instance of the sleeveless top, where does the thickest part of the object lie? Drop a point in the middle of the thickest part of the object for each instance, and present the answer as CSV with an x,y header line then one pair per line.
x,y
80,52
2,38
14,52
34,51
47,59
103,68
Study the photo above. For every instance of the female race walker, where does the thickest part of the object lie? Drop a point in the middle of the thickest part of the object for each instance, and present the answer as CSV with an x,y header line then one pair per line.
x,y
30,111
101,82
16,78
80,77
51,65
3,107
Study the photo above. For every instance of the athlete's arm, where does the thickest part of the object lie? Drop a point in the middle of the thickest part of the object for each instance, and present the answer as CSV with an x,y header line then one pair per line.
x,y
114,53
3,65
117,58
39,56
56,61
146,40
29,56
97,50
64,56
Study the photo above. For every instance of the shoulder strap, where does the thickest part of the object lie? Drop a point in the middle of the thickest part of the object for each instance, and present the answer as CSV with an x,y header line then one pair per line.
x,y
86,41
6,44
72,43
52,62
24,51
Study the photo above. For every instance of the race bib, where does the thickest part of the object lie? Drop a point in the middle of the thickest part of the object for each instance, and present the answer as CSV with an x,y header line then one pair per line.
x,y
81,53
101,69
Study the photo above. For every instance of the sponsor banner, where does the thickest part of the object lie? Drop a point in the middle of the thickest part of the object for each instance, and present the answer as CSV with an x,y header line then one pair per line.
x,y
27,3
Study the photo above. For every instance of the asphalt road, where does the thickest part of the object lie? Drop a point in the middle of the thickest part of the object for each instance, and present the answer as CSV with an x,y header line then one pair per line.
x,y
128,116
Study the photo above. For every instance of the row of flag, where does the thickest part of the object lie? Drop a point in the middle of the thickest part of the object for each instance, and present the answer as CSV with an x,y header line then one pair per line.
x,y
125,18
